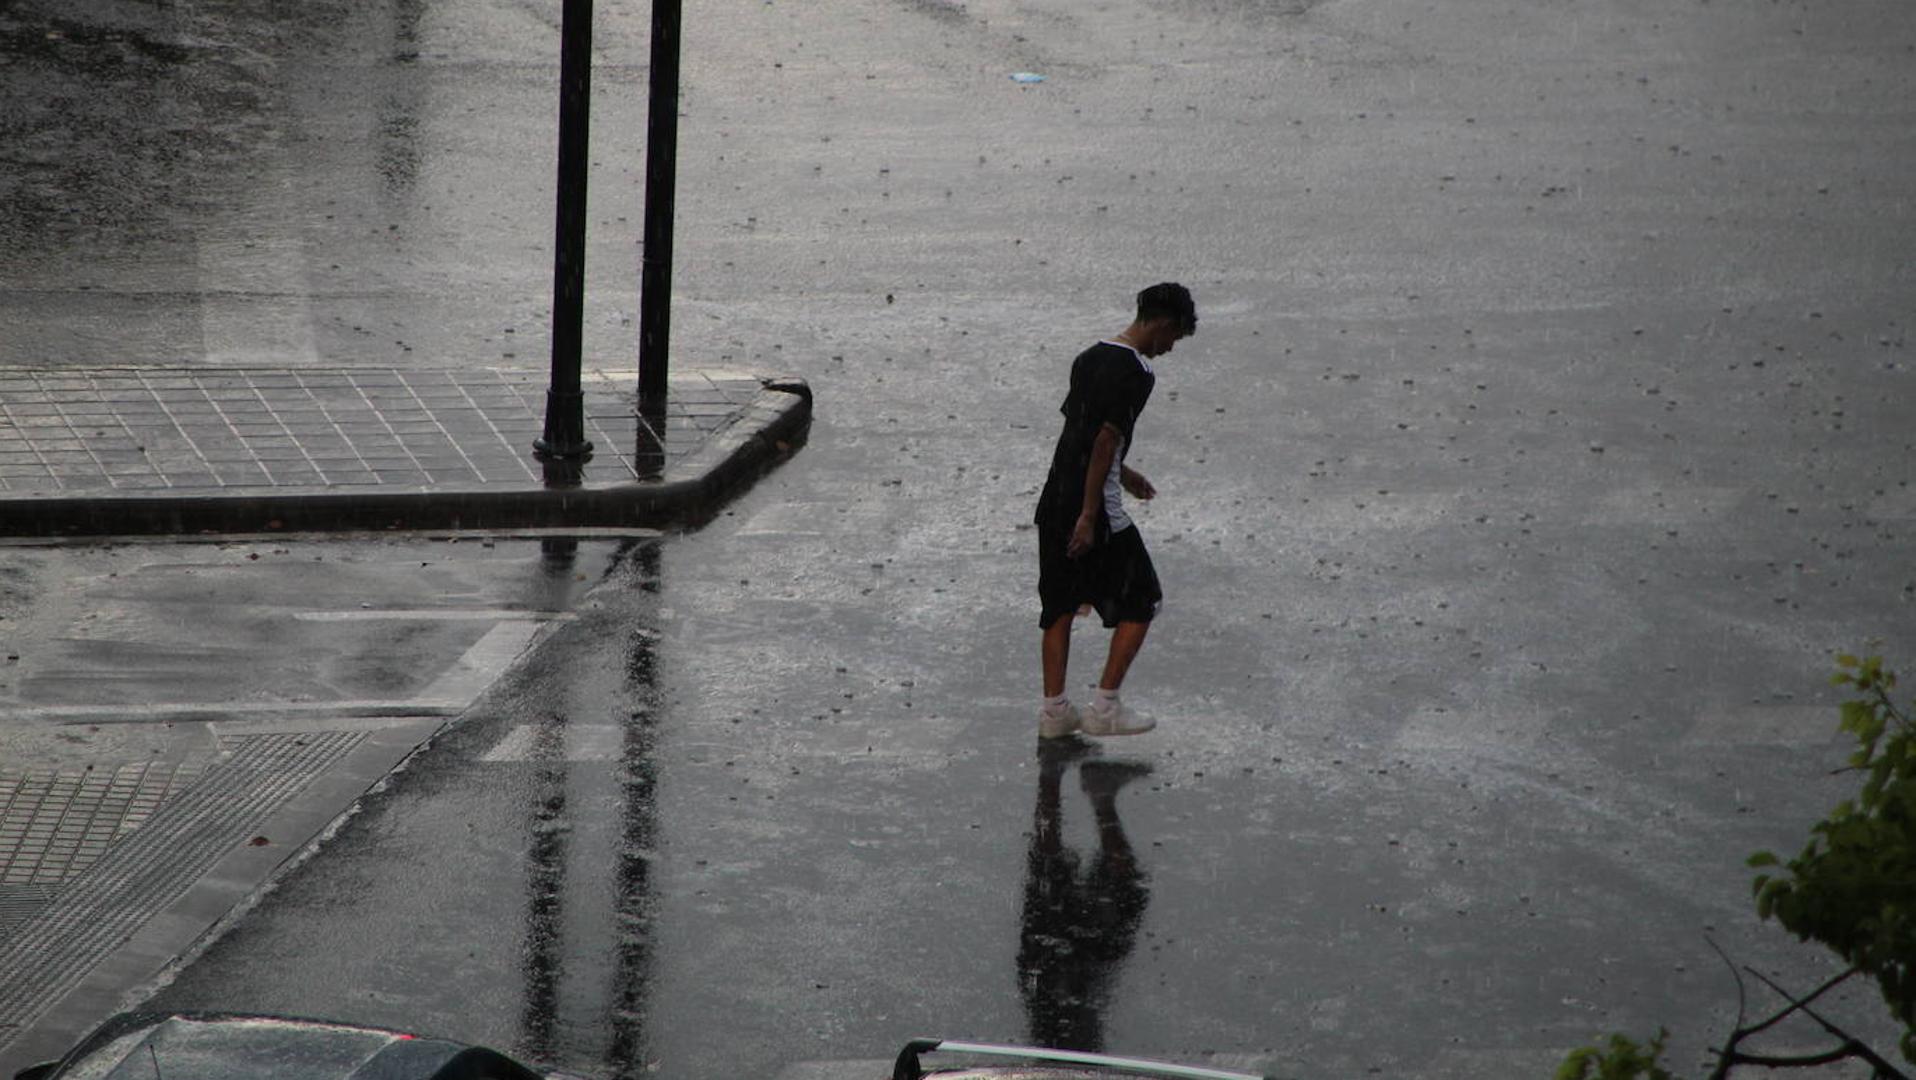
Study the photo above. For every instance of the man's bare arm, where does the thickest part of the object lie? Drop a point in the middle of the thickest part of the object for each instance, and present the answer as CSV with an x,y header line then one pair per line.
x,y
1134,482
1104,454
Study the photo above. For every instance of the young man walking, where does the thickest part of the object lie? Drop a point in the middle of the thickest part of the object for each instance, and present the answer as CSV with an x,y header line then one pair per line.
x,y
1089,552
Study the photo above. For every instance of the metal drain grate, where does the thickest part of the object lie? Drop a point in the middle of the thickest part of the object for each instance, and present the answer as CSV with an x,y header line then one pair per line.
x,y
53,948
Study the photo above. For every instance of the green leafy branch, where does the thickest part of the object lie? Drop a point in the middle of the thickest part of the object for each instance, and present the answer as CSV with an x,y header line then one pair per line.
x,y
1853,889
1623,1059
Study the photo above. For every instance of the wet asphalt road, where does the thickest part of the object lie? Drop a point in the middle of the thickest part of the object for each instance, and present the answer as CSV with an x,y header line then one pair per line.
x,y
1545,434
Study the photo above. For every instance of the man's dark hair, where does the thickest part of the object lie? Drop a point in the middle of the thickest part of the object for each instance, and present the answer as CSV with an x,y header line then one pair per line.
x,y
1168,300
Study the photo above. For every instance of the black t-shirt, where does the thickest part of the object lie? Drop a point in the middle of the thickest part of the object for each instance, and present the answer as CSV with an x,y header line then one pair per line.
x,y
1109,385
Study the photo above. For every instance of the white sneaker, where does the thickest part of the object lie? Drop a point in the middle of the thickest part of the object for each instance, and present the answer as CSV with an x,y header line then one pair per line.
x,y
1116,720
1056,724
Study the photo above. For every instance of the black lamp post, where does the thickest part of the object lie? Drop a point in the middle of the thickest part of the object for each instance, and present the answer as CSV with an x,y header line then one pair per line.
x,y
661,166
564,437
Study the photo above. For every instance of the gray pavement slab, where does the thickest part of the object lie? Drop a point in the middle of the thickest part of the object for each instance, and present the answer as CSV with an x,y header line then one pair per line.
x,y
127,450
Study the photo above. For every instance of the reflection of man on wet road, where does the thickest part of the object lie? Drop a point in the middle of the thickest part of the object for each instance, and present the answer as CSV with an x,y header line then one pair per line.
x,y
1089,552
1078,928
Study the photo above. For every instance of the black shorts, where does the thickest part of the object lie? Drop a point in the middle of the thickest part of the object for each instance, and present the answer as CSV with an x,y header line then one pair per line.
x,y
1116,578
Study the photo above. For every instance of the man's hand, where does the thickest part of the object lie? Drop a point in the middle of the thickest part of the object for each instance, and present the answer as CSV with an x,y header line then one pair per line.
x,y
1135,483
1082,535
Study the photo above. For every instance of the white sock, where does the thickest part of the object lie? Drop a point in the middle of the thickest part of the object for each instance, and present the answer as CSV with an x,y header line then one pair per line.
x,y
1057,704
1105,700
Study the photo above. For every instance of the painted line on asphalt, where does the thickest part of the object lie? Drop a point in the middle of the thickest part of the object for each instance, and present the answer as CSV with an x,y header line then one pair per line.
x,y
448,695
366,721
580,532
474,671
412,708
583,742
435,615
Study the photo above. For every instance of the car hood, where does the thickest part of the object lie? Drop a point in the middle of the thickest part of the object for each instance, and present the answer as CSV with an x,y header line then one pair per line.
x,y
137,1046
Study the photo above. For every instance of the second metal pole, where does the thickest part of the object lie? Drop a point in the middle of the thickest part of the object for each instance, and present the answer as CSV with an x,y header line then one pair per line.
x,y
661,169
564,436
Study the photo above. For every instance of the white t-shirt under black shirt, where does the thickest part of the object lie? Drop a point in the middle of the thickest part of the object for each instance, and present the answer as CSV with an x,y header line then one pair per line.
x,y
1113,490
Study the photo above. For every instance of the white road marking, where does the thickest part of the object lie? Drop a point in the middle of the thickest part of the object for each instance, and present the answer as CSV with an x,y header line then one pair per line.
x,y
448,695
583,742
433,615
482,663
209,710
300,725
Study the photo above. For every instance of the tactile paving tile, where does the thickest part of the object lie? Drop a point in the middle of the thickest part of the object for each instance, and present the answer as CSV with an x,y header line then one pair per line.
x,y
47,954
18,903
54,823
150,430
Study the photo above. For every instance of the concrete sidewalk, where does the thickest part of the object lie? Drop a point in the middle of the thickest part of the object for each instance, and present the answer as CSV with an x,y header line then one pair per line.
x,y
158,766
180,450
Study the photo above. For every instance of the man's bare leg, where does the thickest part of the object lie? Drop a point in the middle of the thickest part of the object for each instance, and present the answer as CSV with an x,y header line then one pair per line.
x,y
1126,640
1057,655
